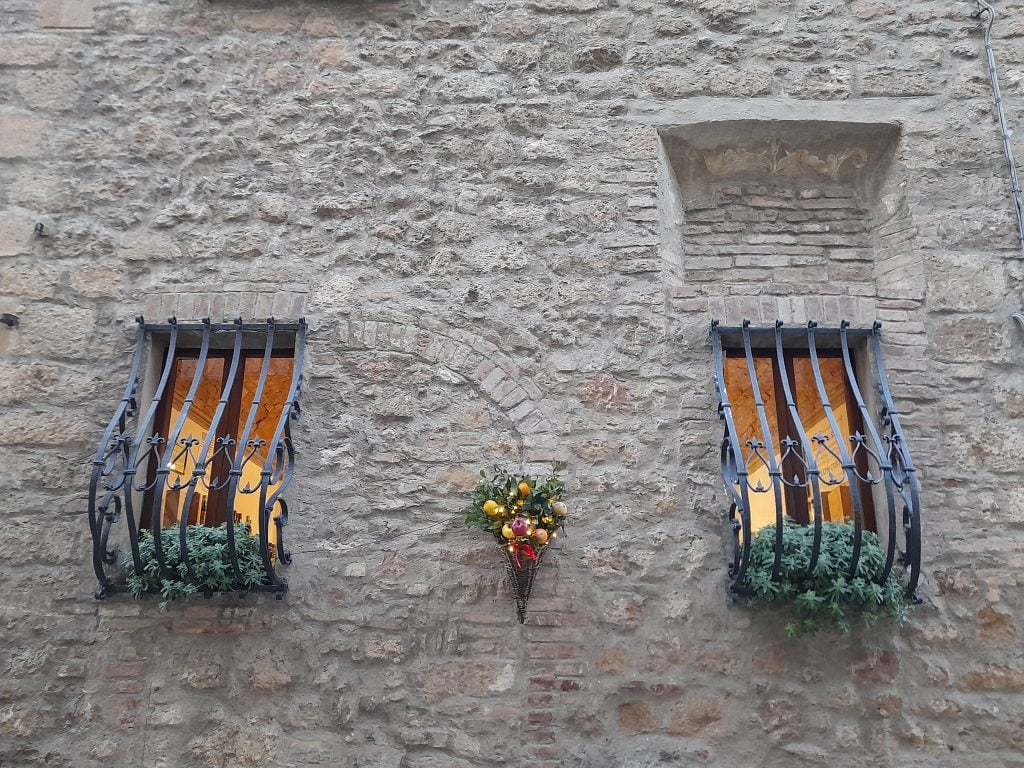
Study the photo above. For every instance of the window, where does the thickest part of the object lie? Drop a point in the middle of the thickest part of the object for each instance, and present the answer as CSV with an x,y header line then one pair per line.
x,y
801,445
200,420
787,427
210,447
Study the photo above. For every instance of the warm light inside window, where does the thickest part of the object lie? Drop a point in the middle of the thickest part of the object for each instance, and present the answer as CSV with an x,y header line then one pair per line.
x,y
836,497
209,502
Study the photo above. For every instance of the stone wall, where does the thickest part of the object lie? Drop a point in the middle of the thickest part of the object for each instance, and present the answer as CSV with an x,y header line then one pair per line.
x,y
476,205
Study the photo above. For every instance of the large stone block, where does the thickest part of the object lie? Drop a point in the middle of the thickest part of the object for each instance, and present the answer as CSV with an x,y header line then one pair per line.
x,y
56,331
98,281
449,678
965,283
235,745
994,677
40,428
637,717
968,340
692,716
29,281
16,232
49,90
21,135
147,247
26,383
66,14
28,50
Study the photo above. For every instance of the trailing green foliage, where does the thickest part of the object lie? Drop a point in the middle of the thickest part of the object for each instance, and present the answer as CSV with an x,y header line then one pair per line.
x,y
828,593
208,554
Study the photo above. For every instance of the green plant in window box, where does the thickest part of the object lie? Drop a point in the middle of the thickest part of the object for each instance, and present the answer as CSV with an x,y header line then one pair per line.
x,y
828,594
208,555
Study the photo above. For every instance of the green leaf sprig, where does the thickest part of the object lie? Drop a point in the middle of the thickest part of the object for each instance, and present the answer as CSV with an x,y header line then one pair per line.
x,y
208,554
502,488
829,593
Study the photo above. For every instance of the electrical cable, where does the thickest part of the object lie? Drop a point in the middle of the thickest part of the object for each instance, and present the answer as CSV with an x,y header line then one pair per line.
x,y
1004,130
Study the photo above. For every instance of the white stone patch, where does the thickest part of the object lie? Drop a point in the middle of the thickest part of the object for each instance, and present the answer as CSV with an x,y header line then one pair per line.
x,y
339,456
445,374
356,570
336,289
505,680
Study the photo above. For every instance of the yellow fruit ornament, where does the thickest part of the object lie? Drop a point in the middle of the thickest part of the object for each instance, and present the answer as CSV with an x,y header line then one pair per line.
x,y
542,536
524,490
559,508
491,508
506,531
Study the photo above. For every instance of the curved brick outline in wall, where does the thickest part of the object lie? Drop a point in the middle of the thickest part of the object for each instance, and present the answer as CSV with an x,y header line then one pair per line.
x,y
492,372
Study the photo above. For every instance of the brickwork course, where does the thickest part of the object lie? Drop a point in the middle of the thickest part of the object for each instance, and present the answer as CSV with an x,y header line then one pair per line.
x,y
509,225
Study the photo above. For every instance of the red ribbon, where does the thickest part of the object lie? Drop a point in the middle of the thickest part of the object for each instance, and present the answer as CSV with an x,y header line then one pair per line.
x,y
526,550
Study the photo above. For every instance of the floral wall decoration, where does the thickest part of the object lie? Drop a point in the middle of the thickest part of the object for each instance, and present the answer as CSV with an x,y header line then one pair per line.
x,y
524,515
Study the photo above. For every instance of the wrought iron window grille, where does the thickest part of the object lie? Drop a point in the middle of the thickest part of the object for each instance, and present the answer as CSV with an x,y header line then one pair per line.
x,y
875,463
133,463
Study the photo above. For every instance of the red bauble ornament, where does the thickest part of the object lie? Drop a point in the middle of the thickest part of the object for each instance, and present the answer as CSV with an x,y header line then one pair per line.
x,y
520,526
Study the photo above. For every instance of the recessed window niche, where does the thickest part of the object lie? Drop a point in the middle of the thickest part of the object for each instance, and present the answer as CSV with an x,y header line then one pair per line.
x,y
768,210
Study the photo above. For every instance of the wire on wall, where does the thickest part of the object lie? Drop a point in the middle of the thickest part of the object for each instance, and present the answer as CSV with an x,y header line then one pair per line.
x,y
1004,130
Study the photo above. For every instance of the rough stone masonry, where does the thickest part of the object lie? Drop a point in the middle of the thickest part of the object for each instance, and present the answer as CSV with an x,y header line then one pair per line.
x,y
509,225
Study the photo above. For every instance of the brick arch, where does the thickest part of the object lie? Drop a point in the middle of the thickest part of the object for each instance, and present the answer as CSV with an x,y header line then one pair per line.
x,y
479,361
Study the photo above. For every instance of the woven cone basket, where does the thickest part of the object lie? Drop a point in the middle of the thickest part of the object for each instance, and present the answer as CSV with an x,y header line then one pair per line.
x,y
520,578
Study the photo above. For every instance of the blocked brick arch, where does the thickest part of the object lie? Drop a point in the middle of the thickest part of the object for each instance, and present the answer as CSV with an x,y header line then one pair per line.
x,y
557,624
472,357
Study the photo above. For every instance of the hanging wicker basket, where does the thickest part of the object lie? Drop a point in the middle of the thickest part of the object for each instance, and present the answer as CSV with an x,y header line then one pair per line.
x,y
520,578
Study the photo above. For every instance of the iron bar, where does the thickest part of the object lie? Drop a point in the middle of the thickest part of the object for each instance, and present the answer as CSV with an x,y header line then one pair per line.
x,y
200,463
881,458
222,327
100,469
809,458
284,433
1016,194
166,461
283,451
242,446
142,430
912,499
769,446
798,334
734,471
846,458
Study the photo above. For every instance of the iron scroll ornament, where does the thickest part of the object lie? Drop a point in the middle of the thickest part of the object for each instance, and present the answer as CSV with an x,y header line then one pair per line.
x,y
131,445
882,449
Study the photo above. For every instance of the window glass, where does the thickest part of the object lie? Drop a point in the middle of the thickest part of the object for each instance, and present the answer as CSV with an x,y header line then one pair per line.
x,y
797,501
268,413
180,459
836,502
209,501
748,428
